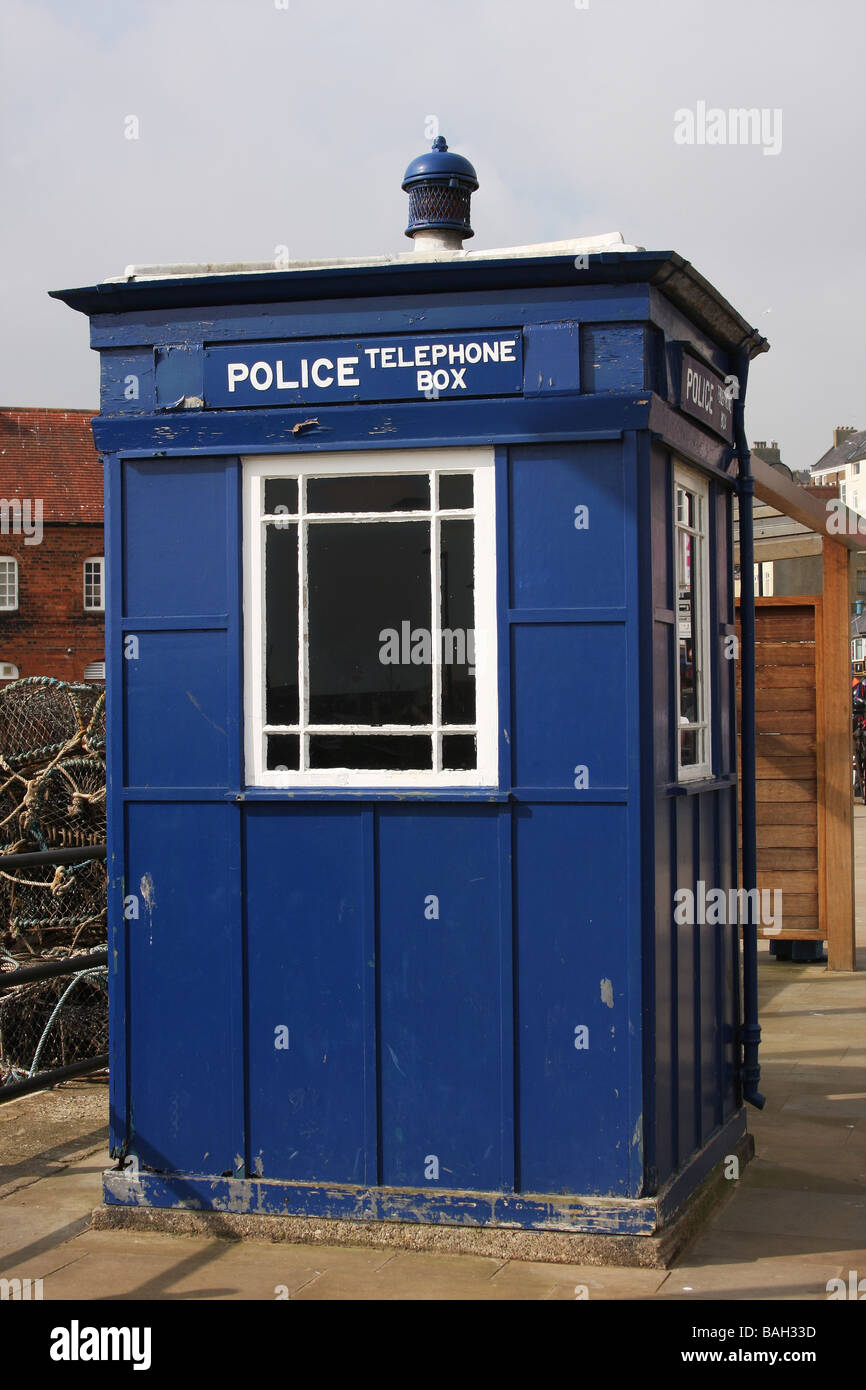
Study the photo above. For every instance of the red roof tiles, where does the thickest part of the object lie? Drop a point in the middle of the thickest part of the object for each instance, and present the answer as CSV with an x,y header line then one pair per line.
x,y
50,454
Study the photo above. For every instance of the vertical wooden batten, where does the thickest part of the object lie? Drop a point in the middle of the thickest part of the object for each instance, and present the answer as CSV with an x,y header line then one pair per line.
x,y
836,810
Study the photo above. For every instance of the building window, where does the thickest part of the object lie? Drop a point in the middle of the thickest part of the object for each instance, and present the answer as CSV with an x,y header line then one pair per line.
x,y
94,584
371,620
693,601
8,671
94,671
8,583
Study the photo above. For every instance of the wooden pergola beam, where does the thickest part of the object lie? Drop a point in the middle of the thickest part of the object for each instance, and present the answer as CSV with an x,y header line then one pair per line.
x,y
773,487
836,824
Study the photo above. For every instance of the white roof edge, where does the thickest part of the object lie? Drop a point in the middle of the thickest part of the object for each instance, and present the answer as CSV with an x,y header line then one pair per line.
x,y
608,241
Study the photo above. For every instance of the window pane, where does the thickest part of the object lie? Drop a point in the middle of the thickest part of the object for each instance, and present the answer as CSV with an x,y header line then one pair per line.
x,y
93,584
687,624
409,493
689,747
283,752
281,617
458,622
369,606
373,752
459,753
8,584
455,490
281,495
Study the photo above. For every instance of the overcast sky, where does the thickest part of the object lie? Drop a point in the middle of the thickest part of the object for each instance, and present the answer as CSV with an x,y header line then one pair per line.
x,y
264,123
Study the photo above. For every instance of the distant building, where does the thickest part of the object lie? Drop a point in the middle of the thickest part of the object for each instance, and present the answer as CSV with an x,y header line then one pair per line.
x,y
52,570
845,464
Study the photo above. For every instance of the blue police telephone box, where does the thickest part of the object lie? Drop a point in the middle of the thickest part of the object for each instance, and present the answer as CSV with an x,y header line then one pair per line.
x,y
420,599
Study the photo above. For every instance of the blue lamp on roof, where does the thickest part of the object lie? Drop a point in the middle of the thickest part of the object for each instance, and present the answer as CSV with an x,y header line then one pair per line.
x,y
440,185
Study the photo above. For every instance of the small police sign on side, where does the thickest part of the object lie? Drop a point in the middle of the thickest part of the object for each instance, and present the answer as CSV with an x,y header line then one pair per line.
x,y
706,395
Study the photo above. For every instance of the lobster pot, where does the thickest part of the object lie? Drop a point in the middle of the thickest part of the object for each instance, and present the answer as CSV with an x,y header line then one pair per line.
x,y
421,740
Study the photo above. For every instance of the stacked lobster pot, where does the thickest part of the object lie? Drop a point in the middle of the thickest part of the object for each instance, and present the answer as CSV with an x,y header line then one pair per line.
x,y
52,797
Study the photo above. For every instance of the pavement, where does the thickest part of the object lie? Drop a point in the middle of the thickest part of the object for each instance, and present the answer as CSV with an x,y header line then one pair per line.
x,y
793,1220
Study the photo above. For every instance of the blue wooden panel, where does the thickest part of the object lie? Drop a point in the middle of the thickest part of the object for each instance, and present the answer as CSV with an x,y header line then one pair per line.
x,y
569,701
126,381
552,359
574,902
709,940
613,357
729,965
184,1031
115,830
351,317
176,709
440,997
664,1067
401,424
174,536
307,973
686,983
178,374
562,558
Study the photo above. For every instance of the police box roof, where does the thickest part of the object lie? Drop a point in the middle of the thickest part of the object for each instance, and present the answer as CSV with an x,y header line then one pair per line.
x,y
605,259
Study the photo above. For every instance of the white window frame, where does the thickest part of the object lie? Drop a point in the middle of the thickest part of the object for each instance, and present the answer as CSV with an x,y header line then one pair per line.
x,y
8,671
479,462
11,607
99,561
695,483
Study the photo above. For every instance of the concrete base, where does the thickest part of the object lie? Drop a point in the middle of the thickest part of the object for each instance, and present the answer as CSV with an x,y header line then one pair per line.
x,y
652,1251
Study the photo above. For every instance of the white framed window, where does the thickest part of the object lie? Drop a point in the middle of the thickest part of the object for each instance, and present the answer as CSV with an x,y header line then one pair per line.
x,y
94,584
8,671
8,583
370,619
692,579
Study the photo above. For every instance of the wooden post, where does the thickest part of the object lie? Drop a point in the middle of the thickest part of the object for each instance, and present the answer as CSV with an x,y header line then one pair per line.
x,y
835,801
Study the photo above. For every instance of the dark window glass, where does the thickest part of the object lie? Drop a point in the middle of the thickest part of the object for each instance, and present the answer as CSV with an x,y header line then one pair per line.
x,y
458,752
281,495
365,581
369,494
455,490
687,625
281,619
283,752
688,747
458,622
372,752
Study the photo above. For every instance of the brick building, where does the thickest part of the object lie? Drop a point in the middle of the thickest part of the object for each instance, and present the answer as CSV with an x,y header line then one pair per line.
x,y
52,571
